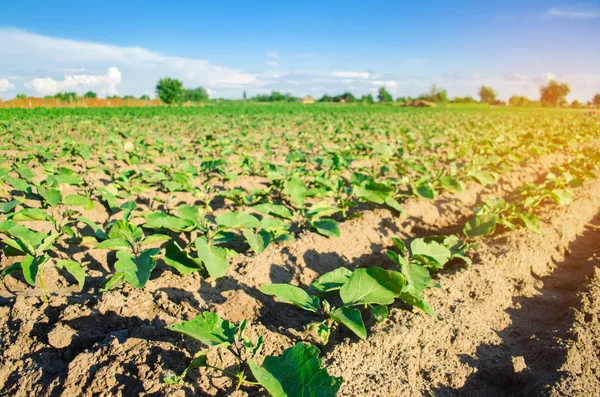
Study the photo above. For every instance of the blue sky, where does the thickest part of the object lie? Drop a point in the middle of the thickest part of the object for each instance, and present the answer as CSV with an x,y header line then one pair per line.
x,y
304,48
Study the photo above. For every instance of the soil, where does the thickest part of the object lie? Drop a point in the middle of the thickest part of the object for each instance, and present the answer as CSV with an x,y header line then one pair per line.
x,y
522,319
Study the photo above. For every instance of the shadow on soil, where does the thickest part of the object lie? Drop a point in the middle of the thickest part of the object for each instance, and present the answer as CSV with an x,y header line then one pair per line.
x,y
539,327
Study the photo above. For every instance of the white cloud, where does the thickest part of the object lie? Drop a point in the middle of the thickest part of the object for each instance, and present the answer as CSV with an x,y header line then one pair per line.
x,y
545,77
273,54
351,75
573,13
24,52
6,85
104,84
516,77
273,63
391,84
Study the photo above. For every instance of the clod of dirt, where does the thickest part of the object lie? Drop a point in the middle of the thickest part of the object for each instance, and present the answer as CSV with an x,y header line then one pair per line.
x,y
61,336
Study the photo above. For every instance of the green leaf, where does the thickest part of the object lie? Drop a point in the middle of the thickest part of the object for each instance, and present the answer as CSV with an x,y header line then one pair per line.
x,y
327,227
485,178
293,295
562,196
425,190
31,267
214,258
160,220
208,328
257,241
5,208
531,222
180,260
74,269
113,244
274,209
94,226
28,240
114,281
296,373
76,200
237,220
154,239
352,319
451,184
15,267
30,214
331,281
296,189
189,212
124,230
372,285
372,191
379,313
432,250
481,225
136,269
52,196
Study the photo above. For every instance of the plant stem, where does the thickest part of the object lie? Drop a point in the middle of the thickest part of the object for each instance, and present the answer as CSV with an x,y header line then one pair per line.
x,y
42,286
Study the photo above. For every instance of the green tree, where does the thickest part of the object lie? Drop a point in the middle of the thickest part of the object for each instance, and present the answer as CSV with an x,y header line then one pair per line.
x,y
517,100
554,93
145,97
368,99
21,96
196,95
169,90
596,100
576,104
128,97
487,94
90,94
325,98
384,95
245,96
436,95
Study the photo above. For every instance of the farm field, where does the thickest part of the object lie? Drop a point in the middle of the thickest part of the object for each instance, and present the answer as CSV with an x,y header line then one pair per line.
x,y
248,250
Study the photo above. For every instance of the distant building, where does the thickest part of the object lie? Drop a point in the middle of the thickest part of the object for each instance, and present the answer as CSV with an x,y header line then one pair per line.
x,y
307,99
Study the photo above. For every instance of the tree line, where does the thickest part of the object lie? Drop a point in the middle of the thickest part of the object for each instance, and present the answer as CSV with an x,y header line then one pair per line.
x,y
172,91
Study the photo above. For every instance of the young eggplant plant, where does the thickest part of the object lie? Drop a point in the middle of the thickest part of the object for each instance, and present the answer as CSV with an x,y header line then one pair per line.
x,y
36,248
296,372
134,262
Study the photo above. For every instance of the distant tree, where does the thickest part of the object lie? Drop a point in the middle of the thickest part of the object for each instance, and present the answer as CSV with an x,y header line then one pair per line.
x,y
145,97
517,100
403,99
113,97
195,95
126,97
169,90
346,97
554,93
435,95
576,104
244,96
326,98
466,99
384,95
90,94
596,100
21,96
275,96
368,99
487,94
66,96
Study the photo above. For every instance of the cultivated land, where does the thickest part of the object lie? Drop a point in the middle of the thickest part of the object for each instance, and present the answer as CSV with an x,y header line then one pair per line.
x,y
448,251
